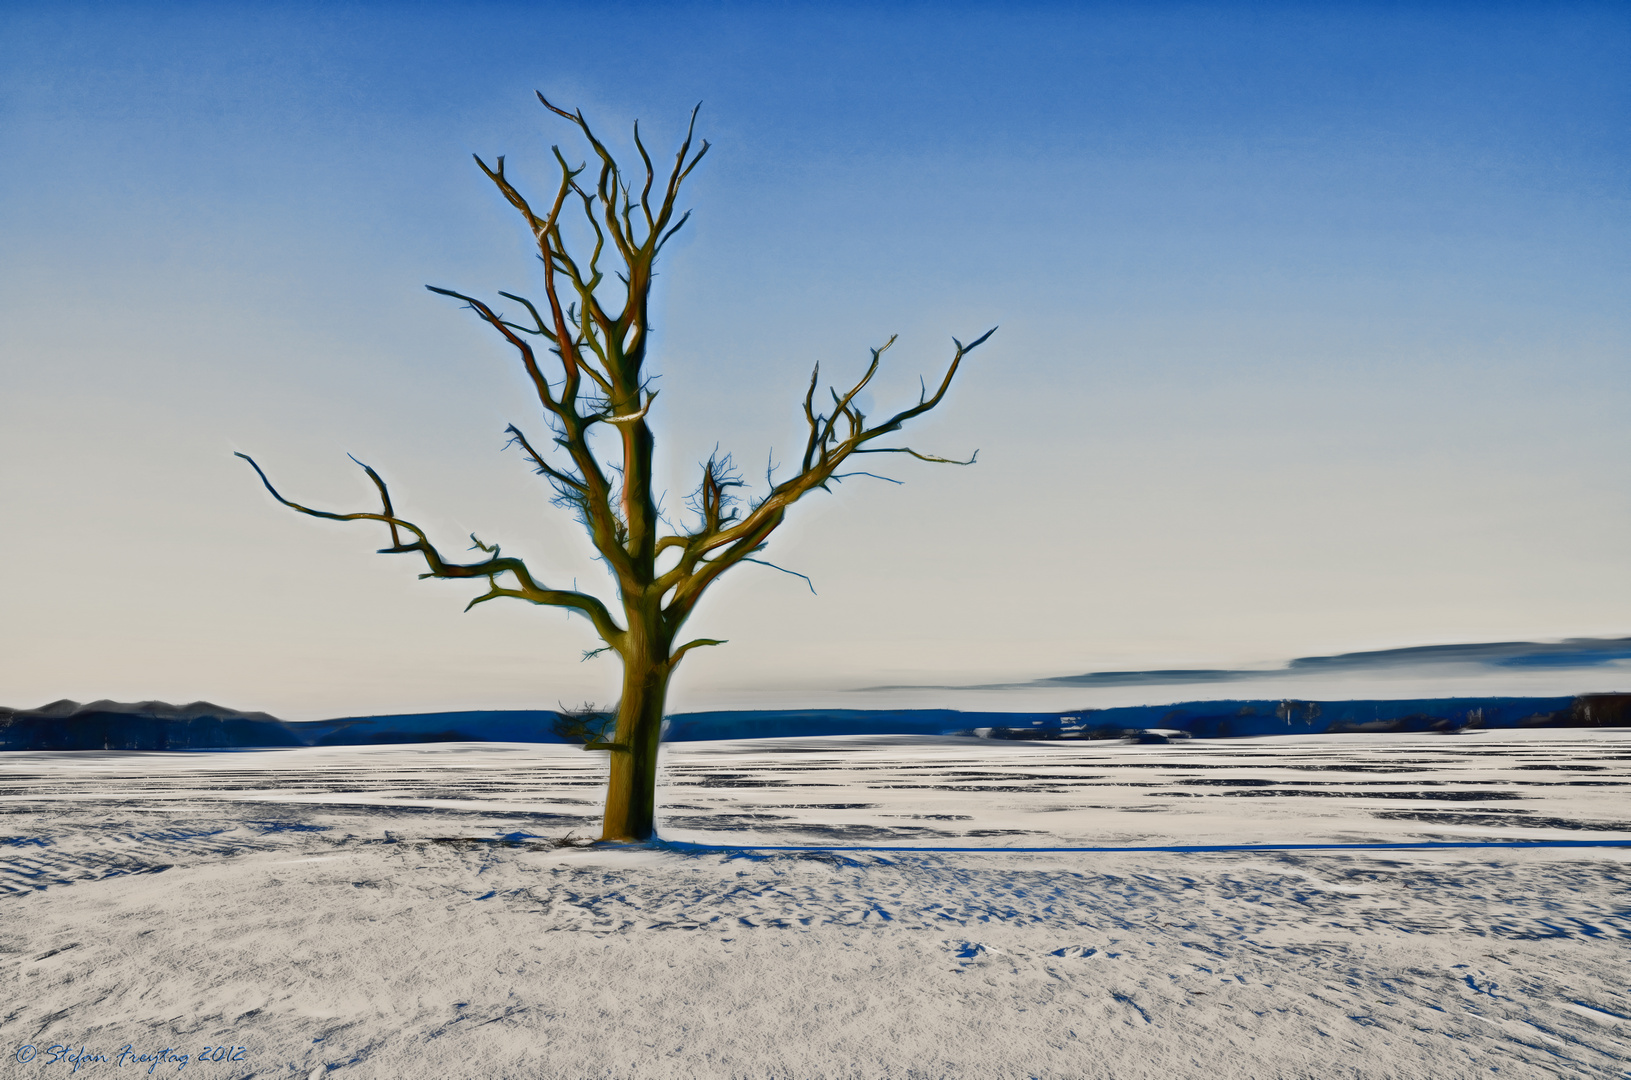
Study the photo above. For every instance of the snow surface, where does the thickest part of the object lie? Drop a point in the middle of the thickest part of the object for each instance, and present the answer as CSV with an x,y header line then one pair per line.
x,y
398,911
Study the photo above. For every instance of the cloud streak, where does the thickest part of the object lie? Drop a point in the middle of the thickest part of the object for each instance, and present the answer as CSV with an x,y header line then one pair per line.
x,y
1493,655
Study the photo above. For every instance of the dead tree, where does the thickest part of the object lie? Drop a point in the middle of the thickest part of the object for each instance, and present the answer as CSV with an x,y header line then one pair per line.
x,y
597,336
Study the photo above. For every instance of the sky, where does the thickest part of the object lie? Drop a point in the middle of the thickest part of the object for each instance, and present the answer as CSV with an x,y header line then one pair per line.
x,y
1313,340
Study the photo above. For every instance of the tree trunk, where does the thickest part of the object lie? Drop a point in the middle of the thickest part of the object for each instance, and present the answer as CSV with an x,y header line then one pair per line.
x,y
631,794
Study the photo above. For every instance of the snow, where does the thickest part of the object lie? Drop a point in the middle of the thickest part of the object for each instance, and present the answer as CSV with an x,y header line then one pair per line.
x,y
402,911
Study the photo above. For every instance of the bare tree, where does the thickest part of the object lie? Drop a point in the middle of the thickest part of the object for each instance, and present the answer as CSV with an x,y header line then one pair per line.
x,y
598,334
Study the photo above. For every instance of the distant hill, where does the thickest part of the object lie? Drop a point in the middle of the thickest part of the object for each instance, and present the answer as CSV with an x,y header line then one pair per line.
x,y
804,723
142,725
1200,719
1237,719
489,725
158,725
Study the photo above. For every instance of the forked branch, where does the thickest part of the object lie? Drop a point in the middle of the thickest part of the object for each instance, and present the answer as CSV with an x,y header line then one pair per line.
x,y
720,542
490,568
606,347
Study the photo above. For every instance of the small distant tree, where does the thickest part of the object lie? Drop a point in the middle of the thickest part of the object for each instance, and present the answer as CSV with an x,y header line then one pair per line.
x,y
597,334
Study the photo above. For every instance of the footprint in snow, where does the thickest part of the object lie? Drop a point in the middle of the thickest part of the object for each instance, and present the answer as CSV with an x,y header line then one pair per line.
x,y
1075,951
974,950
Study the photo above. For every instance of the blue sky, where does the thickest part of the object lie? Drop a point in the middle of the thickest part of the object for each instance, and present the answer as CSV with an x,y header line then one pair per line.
x,y
1314,337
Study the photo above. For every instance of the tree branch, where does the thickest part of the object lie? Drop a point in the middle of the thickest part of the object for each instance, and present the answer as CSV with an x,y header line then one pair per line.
x,y
674,658
914,453
784,570
489,568
825,452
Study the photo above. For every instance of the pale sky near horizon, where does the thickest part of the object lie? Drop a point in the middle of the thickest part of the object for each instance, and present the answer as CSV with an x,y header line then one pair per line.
x,y
1314,330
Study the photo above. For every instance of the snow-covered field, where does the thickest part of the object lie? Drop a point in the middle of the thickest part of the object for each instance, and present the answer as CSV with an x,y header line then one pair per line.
x,y
399,911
